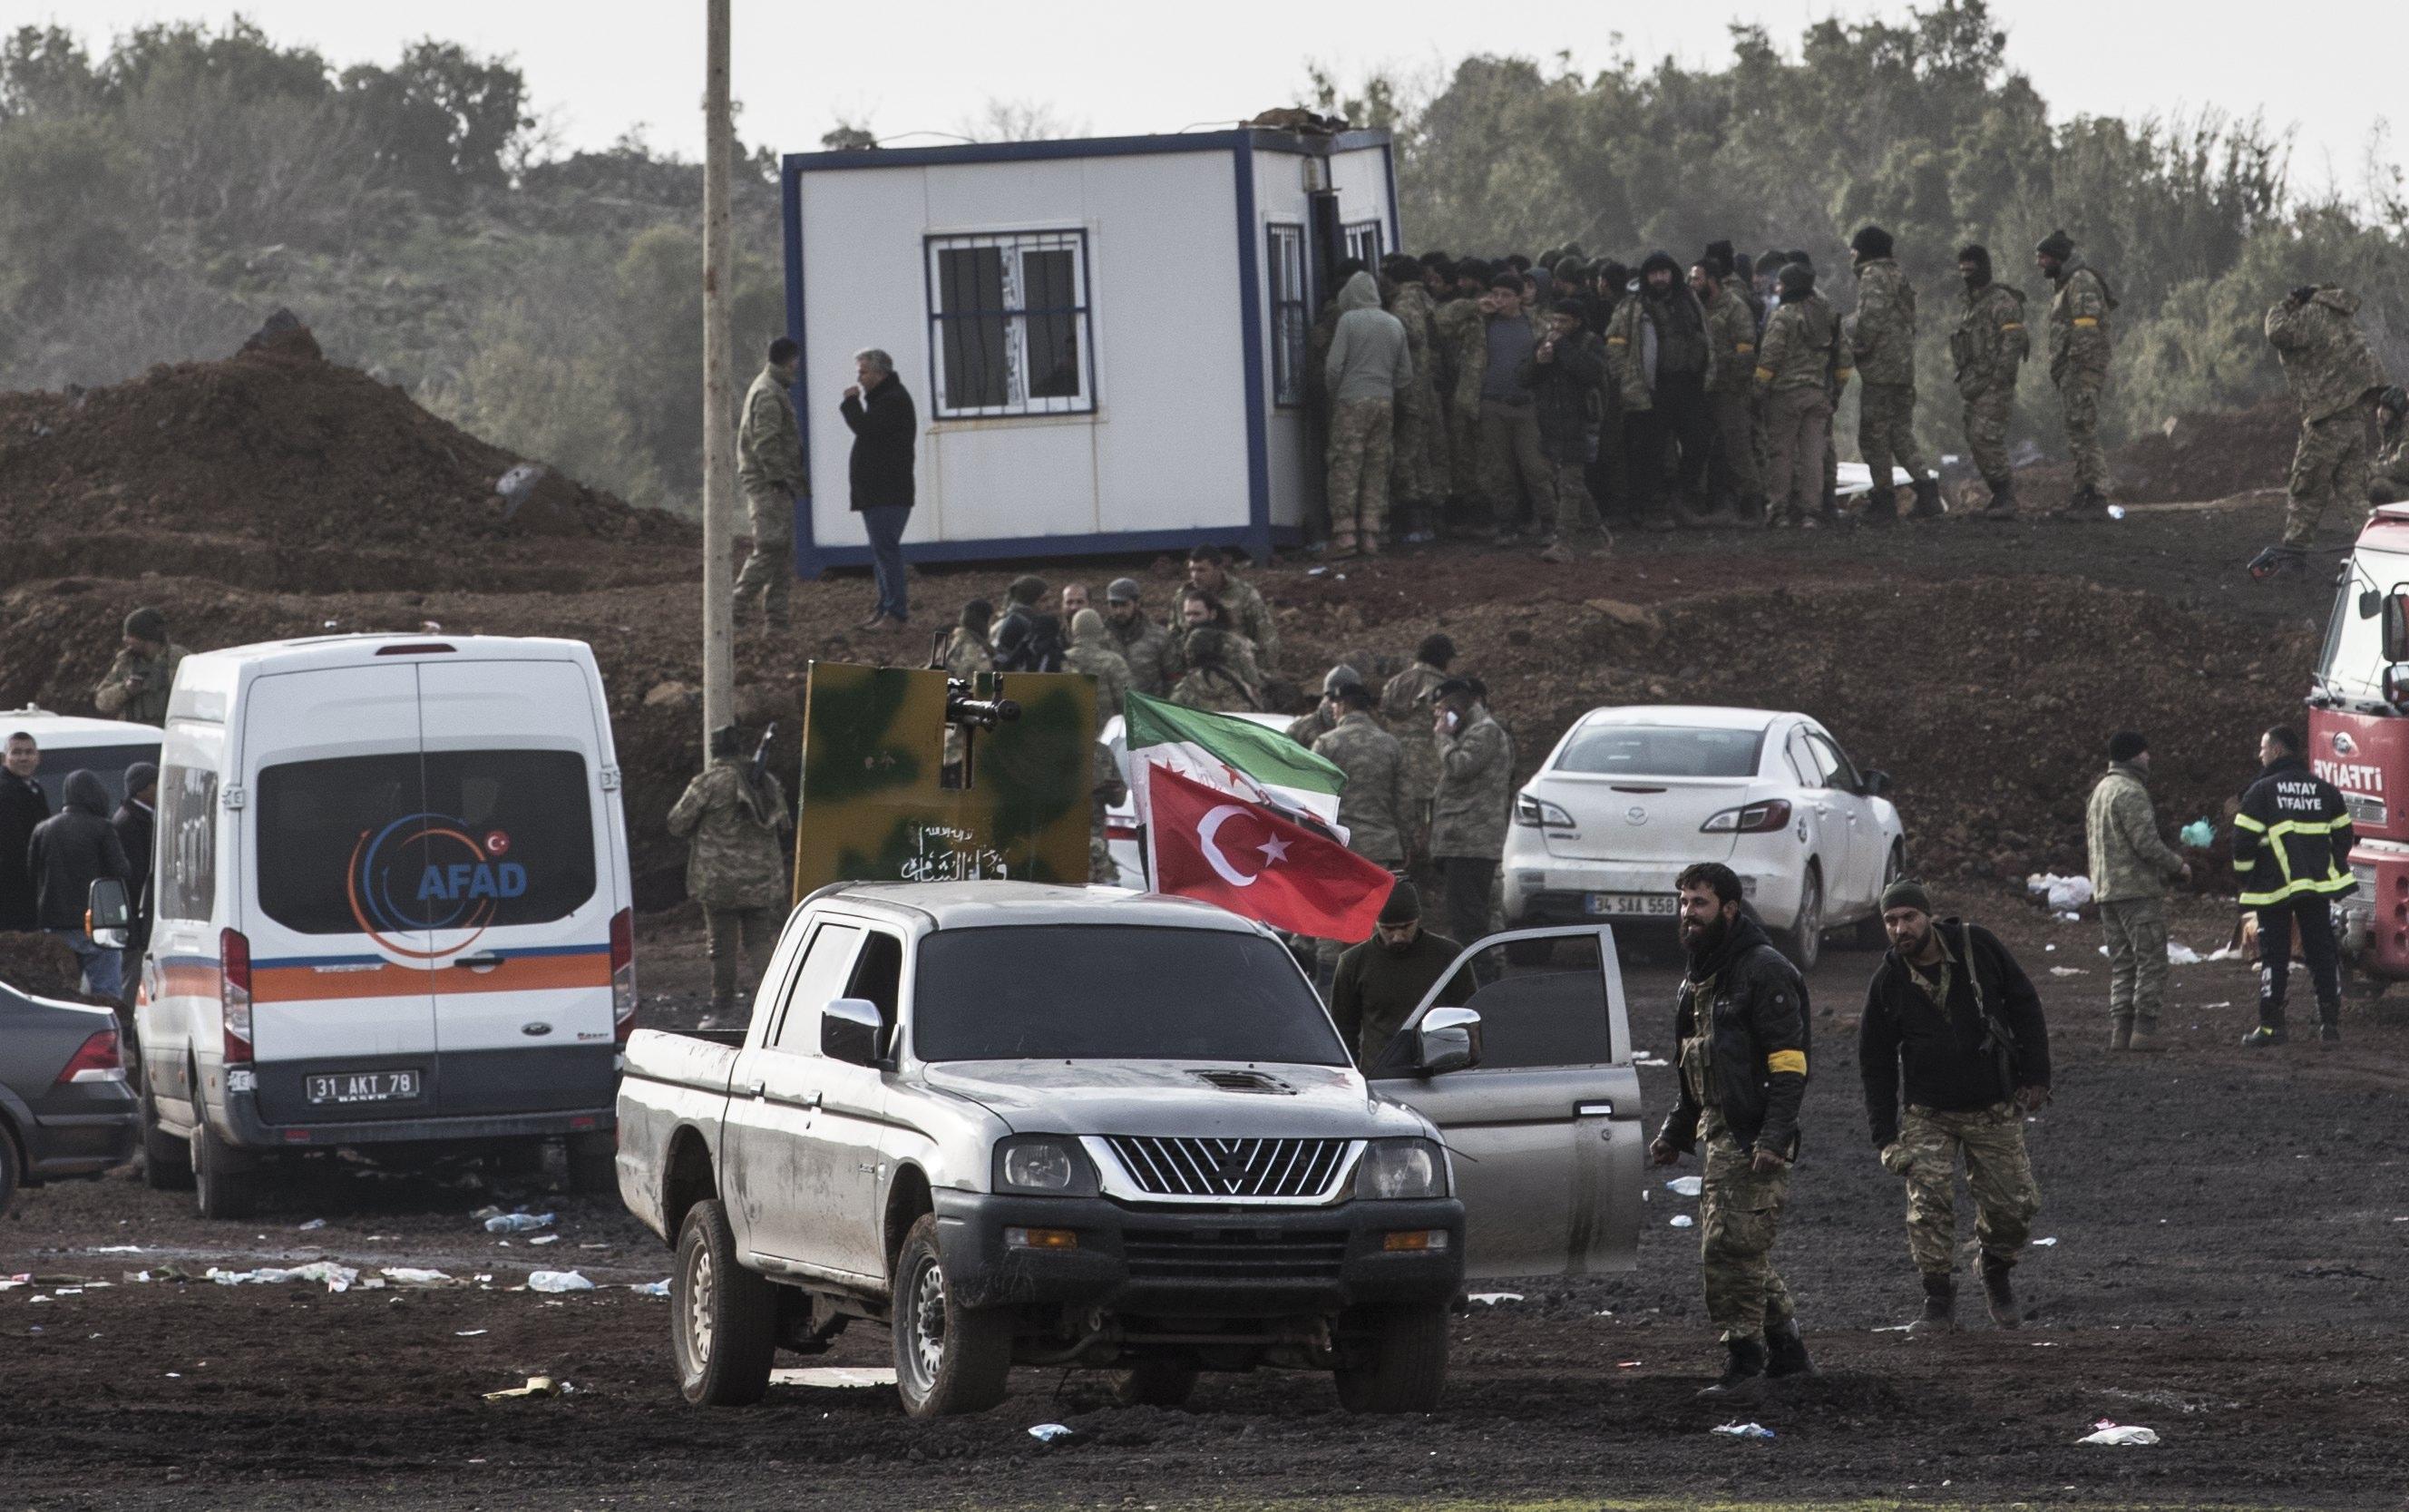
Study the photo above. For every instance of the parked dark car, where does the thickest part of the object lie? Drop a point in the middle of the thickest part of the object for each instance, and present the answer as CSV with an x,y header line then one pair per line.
x,y
65,1109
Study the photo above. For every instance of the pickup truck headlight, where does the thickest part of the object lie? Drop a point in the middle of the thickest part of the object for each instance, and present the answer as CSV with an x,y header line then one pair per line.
x,y
1401,1168
1044,1165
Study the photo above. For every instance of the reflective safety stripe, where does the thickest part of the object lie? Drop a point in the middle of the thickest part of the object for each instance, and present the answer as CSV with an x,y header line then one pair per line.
x,y
2087,320
2243,821
2291,889
1793,1061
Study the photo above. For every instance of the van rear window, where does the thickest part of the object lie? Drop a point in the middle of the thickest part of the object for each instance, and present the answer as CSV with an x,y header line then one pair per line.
x,y
452,840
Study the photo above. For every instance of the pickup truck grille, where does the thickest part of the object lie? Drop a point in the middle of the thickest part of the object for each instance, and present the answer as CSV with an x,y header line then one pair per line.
x,y
1230,1167
1233,1254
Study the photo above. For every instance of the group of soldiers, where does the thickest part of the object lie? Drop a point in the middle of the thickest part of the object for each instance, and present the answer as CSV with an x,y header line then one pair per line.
x,y
1551,398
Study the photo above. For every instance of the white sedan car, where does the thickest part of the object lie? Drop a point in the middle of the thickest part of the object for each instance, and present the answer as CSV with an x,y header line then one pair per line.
x,y
1630,795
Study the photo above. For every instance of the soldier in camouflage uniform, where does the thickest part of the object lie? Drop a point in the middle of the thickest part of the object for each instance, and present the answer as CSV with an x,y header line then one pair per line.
x,y
1741,1029
1211,682
1474,798
1408,703
735,868
137,683
965,655
1735,485
1249,614
1322,717
1107,790
2131,868
1143,645
1418,440
1951,1011
769,469
2335,381
1198,607
1372,803
1460,324
2387,475
2078,365
1987,347
1882,336
1092,651
1796,368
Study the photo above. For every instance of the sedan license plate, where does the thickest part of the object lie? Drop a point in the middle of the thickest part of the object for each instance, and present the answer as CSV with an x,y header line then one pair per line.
x,y
1633,904
364,1087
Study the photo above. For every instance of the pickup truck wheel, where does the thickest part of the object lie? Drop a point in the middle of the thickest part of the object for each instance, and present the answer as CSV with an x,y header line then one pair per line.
x,y
1155,1383
166,1161
1395,1359
723,1317
948,1358
224,1184
593,1165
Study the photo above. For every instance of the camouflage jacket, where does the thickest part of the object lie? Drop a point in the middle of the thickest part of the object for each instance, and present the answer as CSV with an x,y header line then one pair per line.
x,y
1411,304
966,655
1475,788
1372,804
1802,347
1731,335
1990,339
2128,860
2078,322
733,858
1631,349
2326,359
1217,688
769,446
1745,291
1148,650
1459,331
1250,617
2391,461
1311,726
1099,660
1882,331
146,705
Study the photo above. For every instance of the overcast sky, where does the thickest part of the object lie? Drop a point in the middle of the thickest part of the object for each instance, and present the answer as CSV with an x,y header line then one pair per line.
x,y
597,68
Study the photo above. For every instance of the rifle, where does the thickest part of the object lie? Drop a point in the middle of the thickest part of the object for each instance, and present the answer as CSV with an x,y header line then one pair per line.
x,y
761,766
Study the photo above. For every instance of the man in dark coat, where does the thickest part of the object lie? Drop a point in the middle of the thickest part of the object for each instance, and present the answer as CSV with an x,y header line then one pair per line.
x,y
135,822
1564,373
1383,980
23,805
1951,1014
1742,1030
71,850
886,439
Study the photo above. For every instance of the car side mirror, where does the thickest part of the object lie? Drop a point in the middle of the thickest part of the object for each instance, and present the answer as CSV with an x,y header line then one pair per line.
x,y
1448,1039
107,919
1874,783
2395,627
2371,603
850,1028
2396,684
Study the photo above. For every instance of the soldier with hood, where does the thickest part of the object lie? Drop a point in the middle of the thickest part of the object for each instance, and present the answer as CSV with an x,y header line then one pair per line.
x,y
1662,360
1882,334
1416,440
2335,380
1210,682
2078,366
736,870
71,850
1093,653
1986,349
1370,362
1796,368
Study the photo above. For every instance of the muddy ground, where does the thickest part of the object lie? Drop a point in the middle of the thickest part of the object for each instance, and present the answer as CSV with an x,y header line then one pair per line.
x,y
2233,1234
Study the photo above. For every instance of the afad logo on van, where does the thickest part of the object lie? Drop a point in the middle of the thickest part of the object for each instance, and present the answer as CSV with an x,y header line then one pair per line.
x,y
427,871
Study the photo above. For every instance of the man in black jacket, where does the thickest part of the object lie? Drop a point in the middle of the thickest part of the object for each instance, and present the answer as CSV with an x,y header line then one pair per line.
x,y
135,822
1742,1029
1564,373
2292,837
71,850
885,439
23,805
1950,1013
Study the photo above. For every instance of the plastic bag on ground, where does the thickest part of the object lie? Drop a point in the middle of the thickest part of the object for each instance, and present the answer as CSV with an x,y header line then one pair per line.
x,y
2124,1436
2062,893
517,1222
558,1281
338,1277
1743,1431
1686,1185
2179,953
2199,834
1491,1299
1050,1432
412,1276
651,1289
1682,1220
536,1386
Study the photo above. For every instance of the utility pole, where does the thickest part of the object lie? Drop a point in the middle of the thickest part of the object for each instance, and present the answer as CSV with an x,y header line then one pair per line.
x,y
718,397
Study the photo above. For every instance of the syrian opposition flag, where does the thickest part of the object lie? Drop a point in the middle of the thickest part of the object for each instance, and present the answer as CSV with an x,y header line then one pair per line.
x,y
1250,859
1237,755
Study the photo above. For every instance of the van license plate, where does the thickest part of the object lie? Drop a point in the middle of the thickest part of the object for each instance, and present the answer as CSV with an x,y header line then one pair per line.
x,y
1633,904
364,1087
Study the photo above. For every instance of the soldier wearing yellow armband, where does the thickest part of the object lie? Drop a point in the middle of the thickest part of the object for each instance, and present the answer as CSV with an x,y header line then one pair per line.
x,y
1733,481
2078,365
1742,1030
1989,346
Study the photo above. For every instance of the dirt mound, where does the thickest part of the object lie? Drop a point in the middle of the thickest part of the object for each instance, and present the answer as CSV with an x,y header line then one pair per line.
x,y
42,966
2192,459
279,452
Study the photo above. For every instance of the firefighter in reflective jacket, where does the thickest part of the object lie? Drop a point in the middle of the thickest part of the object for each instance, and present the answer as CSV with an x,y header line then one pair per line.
x,y
2291,852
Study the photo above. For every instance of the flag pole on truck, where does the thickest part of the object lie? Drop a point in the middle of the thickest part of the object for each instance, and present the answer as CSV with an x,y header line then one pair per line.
x,y
718,407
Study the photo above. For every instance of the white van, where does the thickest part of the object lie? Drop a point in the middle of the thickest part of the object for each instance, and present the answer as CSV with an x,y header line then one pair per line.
x,y
392,908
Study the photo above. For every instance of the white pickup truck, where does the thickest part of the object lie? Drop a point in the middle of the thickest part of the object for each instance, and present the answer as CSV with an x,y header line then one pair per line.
x,y
1064,1126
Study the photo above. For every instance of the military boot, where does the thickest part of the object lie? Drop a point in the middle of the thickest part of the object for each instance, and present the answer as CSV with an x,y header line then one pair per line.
x,y
2265,1035
1928,500
2002,506
2329,1035
2145,1037
1998,1295
1743,1375
1786,1352
1882,508
2084,507
1939,1315
2120,1034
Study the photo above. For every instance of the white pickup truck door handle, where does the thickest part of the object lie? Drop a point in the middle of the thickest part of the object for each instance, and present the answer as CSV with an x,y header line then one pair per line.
x,y
760,1089
1593,1110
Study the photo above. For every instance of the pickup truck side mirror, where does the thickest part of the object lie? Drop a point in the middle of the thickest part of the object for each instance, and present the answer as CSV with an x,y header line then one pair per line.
x,y
108,920
1448,1039
2395,627
2396,684
850,1029
1873,782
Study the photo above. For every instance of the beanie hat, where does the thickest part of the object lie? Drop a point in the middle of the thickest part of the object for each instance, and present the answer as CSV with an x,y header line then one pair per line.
x,y
1795,280
139,775
1087,625
147,624
2057,245
1980,255
1121,591
1437,648
1026,589
1717,260
1405,904
2126,744
1870,242
1204,646
723,741
1904,893
1800,257
1660,259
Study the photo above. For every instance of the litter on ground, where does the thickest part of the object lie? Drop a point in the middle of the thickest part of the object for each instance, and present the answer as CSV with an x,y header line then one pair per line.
x,y
2061,893
1743,1431
834,1377
558,1281
2045,1244
338,1277
1050,1432
411,1275
517,1222
313,1225
2066,971
652,1288
1491,1299
2113,1436
536,1386
1682,1220
1686,1185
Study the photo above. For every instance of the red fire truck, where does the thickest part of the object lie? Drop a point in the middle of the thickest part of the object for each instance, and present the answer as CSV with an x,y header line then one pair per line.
x,y
2359,739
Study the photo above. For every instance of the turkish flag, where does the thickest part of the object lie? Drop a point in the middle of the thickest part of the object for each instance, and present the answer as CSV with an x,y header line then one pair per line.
x,y
1211,844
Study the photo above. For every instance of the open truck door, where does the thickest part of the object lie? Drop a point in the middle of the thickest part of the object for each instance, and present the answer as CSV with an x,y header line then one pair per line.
x,y
1544,1129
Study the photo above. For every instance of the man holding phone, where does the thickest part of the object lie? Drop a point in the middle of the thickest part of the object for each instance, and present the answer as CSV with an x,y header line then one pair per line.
x,y
1476,793
138,681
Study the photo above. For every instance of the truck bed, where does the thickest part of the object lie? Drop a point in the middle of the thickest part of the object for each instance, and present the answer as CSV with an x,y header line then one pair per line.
x,y
674,1080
